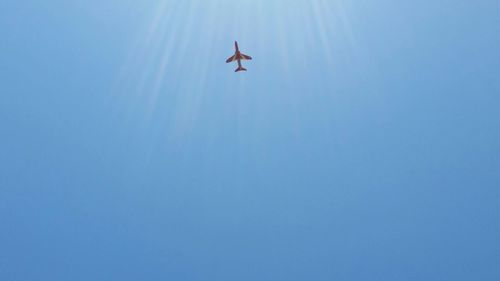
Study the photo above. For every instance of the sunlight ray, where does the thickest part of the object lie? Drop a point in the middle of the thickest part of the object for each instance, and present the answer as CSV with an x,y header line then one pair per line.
x,y
279,34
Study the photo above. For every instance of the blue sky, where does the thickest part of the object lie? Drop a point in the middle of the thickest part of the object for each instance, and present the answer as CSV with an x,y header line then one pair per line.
x,y
363,143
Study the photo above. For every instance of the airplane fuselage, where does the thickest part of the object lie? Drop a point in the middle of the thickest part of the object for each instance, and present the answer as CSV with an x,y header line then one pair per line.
x,y
237,54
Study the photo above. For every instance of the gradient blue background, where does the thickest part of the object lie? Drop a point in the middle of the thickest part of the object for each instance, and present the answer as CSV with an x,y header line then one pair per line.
x,y
362,144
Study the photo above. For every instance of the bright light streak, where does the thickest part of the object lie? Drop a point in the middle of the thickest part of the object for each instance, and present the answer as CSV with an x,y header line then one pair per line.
x,y
193,38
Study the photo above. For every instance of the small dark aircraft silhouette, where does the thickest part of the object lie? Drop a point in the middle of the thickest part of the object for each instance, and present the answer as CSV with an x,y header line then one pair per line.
x,y
238,56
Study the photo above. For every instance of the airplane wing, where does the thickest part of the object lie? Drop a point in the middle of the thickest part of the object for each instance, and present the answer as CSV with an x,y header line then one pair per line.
x,y
245,57
233,58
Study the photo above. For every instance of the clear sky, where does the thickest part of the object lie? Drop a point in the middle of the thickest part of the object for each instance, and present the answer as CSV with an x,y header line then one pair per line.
x,y
363,143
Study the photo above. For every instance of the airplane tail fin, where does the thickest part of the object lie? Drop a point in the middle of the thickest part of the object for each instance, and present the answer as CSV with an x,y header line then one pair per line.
x,y
241,68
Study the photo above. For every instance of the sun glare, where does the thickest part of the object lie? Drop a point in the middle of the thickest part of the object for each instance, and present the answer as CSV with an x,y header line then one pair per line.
x,y
193,39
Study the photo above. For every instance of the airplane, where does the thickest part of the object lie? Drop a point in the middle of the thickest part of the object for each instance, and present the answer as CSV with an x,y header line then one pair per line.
x,y
238,56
